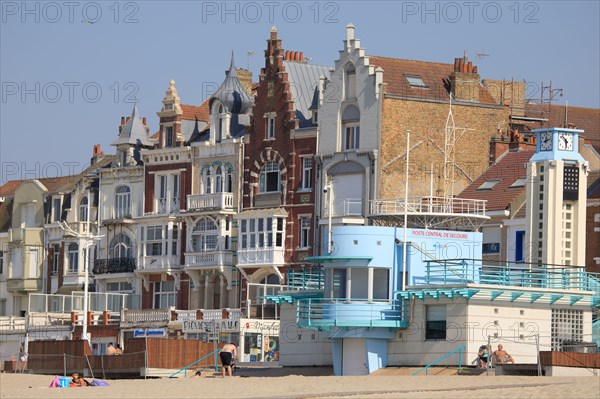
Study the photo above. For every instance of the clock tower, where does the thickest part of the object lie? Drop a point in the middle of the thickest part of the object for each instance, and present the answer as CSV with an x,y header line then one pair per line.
x,y
556,199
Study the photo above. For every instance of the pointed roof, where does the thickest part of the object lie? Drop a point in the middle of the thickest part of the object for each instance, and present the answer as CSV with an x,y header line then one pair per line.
x,y
232,93
134,132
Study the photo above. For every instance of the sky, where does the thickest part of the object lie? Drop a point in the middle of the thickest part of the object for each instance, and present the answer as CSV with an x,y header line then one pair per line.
x,y
70,69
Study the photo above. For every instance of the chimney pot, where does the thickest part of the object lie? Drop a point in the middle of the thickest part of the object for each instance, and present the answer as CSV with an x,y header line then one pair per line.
x,y
470,67
456,64
301,56
122,120
287,55
474,69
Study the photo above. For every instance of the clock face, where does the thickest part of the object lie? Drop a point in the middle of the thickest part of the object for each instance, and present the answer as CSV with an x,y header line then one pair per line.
x,y
565,141
545,141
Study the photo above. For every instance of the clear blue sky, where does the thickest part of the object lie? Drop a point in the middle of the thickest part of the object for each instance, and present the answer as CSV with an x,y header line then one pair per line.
x,y
56,56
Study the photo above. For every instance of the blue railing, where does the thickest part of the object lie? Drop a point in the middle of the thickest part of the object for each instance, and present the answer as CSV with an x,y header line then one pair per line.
x,y
306,279
459,350
196,362
324,314
463,271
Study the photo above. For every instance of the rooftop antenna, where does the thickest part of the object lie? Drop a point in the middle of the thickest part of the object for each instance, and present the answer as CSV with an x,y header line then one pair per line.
x,y
249,54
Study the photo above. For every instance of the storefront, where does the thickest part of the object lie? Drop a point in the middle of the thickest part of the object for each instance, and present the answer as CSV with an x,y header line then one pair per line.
x,y
259,341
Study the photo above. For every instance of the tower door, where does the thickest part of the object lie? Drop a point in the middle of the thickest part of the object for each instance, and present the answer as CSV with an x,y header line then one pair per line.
x,y
354,357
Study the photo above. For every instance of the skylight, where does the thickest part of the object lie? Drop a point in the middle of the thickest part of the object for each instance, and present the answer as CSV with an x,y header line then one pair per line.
x,y
488,185
415,81
518,183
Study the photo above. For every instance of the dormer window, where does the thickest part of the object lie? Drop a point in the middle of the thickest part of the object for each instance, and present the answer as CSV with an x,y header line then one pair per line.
x,y
416,81
169,136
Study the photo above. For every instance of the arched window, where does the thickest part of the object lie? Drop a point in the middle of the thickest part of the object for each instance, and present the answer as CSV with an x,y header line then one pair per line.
x,y
83,209
122,202
120,247
351,128
73,257
228,181
269,179
270,279
350,81
219,180
207,180
204,235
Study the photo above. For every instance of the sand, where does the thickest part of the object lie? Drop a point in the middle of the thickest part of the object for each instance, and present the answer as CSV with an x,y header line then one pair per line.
x,y
284,383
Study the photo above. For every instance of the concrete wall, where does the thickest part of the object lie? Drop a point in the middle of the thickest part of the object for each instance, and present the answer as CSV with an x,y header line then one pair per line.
x,y
301,347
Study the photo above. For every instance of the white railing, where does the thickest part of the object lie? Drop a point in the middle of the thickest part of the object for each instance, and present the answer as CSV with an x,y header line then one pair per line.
x,y
346,207
145,315
212,258
98,302
265,255
12,323
212,201
429,205
186,315
208,314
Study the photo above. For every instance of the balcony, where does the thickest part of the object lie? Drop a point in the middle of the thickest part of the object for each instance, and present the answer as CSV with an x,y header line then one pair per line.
x,y
253,257
208,260
348,207
163,317
425,212
326,314
23,284
216,201
117,265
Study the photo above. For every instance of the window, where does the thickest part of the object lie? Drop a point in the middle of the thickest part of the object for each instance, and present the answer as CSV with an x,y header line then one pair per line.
x,y
350,82
162,194
491,248
315,117
120,247
305,232
207,182
175,194
73,257
175,240
123,202
220,125
381,283
1,262
169,136
518,183
279,233
436,322
154,240
122,287
83,209
258,233
519,243
165,295
204,235
269,179
307,165
416,81
219,180
566,325
55,209
55,259
270,128
351,137
339,283
488,185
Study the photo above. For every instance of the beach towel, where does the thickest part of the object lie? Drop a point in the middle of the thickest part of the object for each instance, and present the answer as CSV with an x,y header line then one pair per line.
x,y
99,383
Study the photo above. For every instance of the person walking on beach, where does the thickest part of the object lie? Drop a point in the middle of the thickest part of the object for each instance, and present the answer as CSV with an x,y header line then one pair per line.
x,y
228,354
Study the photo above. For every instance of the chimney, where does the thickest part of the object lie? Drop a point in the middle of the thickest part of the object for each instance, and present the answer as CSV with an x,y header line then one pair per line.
x,y
349,35
245,77
301,56
464,81
97,154
122,120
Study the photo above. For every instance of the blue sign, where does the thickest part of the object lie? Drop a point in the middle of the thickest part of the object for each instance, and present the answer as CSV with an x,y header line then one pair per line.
x,y
148,332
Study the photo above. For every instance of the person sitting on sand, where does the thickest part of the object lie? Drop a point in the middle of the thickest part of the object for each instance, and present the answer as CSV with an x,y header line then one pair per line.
x,y
482,356
77,381
228,354
197,374
502,356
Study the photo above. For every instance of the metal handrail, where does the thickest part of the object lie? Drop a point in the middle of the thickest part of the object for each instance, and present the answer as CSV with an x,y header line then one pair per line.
x,y
197,361
459,350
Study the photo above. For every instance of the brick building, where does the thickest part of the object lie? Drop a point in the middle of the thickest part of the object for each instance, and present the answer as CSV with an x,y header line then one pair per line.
x,y
276,225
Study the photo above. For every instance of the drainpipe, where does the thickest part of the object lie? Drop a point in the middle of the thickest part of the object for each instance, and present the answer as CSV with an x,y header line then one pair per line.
x,y
404,262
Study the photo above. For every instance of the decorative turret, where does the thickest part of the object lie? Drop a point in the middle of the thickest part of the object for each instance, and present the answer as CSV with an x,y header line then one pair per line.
x,y
232,94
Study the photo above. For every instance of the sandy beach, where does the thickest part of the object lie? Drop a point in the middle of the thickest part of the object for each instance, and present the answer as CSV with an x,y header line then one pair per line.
x,y
285,383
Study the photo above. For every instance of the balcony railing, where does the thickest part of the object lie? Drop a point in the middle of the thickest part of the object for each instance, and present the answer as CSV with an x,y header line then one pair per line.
x,y
116,265
263,255
166,205
325,314
429,205
464,271
306,279
210,201
209,259
346,207
145,316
